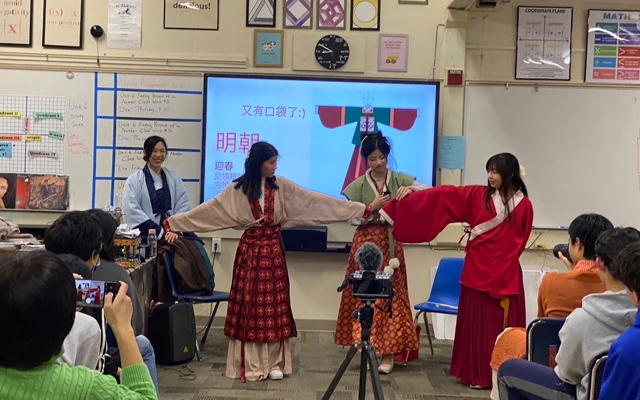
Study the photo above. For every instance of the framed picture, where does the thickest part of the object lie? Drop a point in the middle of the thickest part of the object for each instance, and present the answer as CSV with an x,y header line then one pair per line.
x,y
261,13
543,45
298,14
267,48
423,2
17,21
63,23
393,52
365,15
194,16
331,14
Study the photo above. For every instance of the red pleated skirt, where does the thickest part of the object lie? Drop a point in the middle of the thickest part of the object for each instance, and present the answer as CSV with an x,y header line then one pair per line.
x,y
480,321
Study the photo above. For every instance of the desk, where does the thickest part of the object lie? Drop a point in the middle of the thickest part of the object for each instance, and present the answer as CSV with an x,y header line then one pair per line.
x,y
142,278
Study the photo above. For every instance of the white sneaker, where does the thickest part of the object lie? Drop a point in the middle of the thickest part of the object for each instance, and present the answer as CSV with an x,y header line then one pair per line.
x,y
276,375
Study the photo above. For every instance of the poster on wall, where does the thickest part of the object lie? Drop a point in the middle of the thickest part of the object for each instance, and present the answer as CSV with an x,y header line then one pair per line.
x,y
543,48
613,47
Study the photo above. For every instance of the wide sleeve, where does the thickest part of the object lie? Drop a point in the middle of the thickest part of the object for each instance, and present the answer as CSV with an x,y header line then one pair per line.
x,y
527,223
222,212
303,207
135,384
619,380
182,203
134,215
420,217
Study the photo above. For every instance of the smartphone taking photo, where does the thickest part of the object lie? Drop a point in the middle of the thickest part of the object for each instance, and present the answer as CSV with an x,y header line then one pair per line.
x,y
91,293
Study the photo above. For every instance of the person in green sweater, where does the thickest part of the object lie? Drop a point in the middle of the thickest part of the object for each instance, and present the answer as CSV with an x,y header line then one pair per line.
x,y
37,311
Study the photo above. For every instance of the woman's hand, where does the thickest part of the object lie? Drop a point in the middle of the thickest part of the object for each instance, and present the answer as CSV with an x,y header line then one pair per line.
x,y
380,202
170,237
403,192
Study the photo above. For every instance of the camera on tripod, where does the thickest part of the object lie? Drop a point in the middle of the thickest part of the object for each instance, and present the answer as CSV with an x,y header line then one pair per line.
x,y
370,285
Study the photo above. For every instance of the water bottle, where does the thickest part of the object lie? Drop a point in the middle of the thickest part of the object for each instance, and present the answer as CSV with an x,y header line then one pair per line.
x,y
152,243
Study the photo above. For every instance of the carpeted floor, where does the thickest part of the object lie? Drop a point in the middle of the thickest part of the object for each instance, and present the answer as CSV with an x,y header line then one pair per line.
x,y
315,361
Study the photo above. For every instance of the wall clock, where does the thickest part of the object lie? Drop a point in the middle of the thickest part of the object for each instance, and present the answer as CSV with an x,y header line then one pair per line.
x,y
332,52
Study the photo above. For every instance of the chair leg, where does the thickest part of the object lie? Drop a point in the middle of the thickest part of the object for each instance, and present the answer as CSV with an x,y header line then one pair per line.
x,y
206,331
426,325
198,355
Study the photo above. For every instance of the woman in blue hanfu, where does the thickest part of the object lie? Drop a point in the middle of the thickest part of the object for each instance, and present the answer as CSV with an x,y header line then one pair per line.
x,y
154,193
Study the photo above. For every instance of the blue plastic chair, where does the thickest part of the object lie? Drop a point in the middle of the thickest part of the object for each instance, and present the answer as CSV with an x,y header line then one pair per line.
x,y
597,371
445,293
542,335
215,297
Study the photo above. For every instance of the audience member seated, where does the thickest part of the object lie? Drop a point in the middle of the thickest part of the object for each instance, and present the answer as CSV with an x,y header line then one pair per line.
x,y
621,378
559,293
36,291
588,332
110,271
82,344
79,233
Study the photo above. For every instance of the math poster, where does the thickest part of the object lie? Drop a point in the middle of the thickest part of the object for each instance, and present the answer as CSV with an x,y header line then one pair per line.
x,y
544,43
613,47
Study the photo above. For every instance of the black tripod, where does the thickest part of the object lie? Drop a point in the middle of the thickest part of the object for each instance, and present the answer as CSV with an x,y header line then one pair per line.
x,y
365,316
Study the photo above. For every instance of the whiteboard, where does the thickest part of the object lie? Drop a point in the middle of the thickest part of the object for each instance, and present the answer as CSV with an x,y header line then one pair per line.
x,y
580,147
106,118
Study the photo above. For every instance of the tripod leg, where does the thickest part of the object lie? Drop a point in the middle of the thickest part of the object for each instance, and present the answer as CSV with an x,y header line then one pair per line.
x,y
343,367
362,389
375,376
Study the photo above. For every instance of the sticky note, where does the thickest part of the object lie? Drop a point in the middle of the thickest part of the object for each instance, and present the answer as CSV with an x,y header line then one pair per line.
x,y
451,152
34,138
46,115
6,149
47,154
56,135
9,113
11,138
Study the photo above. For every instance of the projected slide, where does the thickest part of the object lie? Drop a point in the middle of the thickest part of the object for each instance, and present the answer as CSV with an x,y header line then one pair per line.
x,y
316,125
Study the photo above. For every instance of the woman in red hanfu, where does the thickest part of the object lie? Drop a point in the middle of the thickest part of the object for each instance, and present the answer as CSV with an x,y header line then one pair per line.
x,y
500,216
259,320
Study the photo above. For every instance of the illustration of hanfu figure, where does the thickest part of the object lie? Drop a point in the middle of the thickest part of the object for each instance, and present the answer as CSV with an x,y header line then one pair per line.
x,y
368,118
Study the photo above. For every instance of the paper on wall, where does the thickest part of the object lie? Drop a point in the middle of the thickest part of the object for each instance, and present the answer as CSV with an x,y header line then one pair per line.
x,y
124,30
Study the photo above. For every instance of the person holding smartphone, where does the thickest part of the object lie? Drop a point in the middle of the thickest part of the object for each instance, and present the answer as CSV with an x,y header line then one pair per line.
x,y
377,187
36,291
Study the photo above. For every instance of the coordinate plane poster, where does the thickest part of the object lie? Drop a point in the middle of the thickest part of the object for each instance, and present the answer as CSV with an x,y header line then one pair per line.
x,y
613,47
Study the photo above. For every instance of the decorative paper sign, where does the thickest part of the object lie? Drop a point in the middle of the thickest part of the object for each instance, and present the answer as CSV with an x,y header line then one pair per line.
x,y
298,13
194,15
10,113
451,152
124,29
543,50
261,13
46,154
613,47
16,17
267,48
33,138
6,149
11,138
46,115
331,14
56,135
62,24
26,124
393,52
365,15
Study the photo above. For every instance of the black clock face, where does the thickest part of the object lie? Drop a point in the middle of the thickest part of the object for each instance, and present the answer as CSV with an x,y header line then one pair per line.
x,y
332,52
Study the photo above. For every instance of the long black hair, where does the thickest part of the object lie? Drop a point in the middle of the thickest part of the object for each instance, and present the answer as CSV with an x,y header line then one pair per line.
x,y
507,165
150,143
371,142
251,181
109,225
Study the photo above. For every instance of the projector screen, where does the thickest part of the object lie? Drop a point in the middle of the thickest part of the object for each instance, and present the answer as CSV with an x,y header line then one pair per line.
x,y
316,125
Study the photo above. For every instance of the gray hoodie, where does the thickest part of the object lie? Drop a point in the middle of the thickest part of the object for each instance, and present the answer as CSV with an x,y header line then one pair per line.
x,y
588,332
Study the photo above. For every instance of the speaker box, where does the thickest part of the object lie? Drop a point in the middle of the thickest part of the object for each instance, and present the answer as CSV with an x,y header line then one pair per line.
x,y
312,238
172,332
